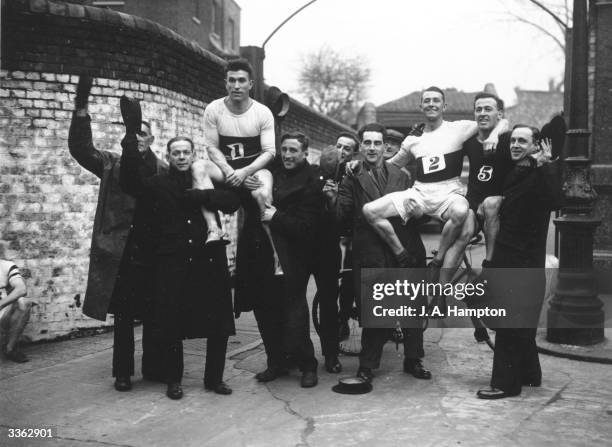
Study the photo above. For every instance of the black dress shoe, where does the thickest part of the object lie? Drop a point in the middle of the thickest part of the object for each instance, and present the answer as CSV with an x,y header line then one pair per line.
x,y
333,365
415,367
174,391
534,383
309,379
123,383
16,356
220,388
493,393
270,374
365,374
131,113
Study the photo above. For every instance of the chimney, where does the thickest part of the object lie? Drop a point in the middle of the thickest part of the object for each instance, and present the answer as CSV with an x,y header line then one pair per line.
x,y
490,88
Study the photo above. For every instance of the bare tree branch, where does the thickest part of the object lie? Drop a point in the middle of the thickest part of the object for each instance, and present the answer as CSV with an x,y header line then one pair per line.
x,y
541,29
331,83
564,25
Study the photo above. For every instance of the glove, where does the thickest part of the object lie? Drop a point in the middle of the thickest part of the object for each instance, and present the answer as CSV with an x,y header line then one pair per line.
x,y
82,92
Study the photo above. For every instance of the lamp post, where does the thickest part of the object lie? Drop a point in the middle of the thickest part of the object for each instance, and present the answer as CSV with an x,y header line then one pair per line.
x,y
276,100
575,315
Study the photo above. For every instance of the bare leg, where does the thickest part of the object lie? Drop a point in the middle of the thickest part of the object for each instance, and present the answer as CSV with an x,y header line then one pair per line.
x,y
455,216
490,207
263,197
203,171
455,252
377,214
15,321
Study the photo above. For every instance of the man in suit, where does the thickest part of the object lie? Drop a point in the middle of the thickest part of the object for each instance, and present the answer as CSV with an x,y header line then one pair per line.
x,y
374,179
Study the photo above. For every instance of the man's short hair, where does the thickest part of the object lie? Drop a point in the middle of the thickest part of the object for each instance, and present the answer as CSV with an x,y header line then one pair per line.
x,y
179,138
239,64
303,139
433,88
148,124
498,101
352,136
373,127
535,132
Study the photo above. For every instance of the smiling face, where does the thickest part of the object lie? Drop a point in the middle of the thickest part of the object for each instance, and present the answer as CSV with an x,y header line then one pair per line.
x,y
521,143
372,147
486,114
180,155
238,84
292,153
432,105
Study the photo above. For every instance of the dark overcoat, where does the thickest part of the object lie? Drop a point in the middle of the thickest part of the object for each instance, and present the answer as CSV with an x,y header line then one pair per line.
x,y
530,195
120,223
368,248
299,203
192,296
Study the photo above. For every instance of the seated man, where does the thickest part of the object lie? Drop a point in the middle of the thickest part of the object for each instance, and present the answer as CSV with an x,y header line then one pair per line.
x,y
374,179
14,311
437,191
279,301
239,138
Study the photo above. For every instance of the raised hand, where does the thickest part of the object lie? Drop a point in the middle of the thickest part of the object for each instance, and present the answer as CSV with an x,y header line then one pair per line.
x,y
544,155
82,93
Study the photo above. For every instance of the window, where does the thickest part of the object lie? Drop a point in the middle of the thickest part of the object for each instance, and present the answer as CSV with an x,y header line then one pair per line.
x,y
217,19
196,12
232,34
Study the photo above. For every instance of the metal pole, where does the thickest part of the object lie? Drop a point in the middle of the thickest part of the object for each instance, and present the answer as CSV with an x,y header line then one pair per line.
x,y
575,315
263,45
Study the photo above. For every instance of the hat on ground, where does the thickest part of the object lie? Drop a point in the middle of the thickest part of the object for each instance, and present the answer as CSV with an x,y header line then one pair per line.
x,y
352,385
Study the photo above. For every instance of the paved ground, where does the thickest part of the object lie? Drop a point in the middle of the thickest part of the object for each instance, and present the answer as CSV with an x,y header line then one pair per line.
x,y
67,386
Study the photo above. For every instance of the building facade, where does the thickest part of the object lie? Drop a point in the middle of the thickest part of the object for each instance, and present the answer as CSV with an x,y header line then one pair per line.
x,y
212,24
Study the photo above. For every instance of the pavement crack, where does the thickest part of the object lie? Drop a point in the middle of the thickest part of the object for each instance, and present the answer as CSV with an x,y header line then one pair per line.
x,y
556,396
309,421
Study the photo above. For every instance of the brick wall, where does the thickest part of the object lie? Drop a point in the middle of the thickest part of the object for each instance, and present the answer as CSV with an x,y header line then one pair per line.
x,y
601,153
47,201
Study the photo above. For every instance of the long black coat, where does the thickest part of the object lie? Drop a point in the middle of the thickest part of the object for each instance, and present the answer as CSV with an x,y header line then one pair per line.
x,y
192,283
121,236
299,204
369,250
530,194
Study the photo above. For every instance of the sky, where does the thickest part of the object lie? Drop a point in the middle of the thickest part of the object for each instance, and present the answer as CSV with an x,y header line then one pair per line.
x,y
410,44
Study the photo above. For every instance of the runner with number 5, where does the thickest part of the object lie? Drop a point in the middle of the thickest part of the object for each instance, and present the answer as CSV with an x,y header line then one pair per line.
x,y
437,191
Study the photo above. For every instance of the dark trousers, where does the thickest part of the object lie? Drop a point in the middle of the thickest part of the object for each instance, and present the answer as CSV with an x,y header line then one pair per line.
x,y
515,360
123,349
173,364
284,326
325,273
374,339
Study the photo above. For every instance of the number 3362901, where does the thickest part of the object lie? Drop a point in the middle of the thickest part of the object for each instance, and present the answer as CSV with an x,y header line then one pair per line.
x,y
30,433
